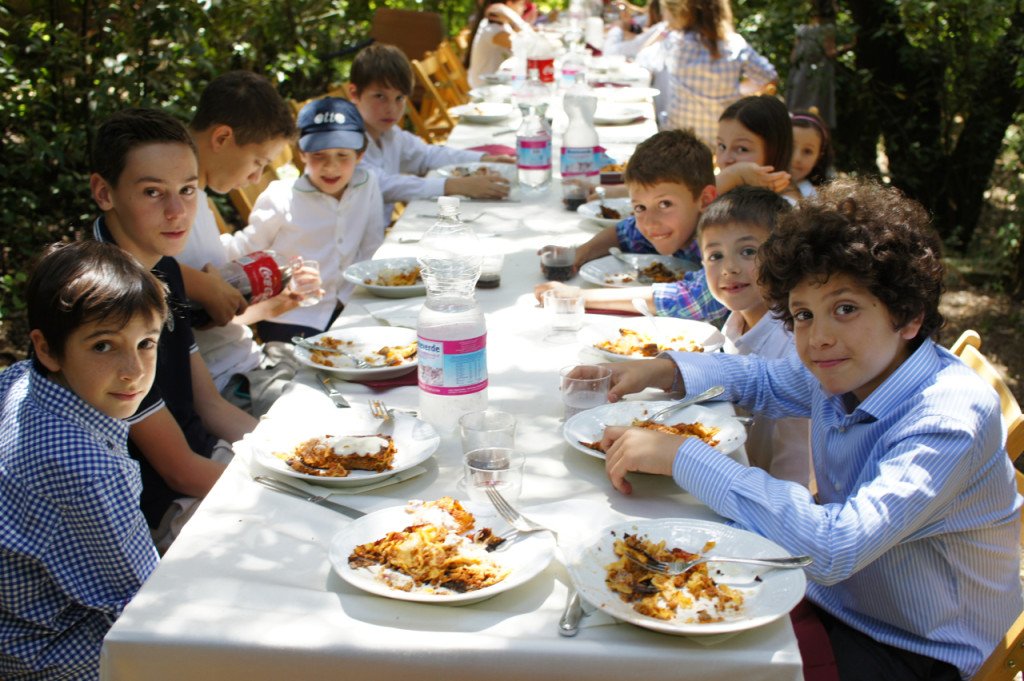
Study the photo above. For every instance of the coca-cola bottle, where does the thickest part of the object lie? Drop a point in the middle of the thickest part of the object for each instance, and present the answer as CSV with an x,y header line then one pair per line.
x,y
257,276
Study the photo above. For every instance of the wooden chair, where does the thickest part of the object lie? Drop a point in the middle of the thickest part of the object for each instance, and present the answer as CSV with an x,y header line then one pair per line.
x,y
412,32
430,115
244,198
462,40
452,64
1008,658
222,224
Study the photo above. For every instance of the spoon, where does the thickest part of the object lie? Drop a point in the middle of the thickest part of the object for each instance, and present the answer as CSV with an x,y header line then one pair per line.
x,y
641,306
600,191
634,269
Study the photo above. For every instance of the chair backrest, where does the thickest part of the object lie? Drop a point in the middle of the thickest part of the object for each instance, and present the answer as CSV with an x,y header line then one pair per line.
x,y
457,75
243,199
412,32
1008,658
430,115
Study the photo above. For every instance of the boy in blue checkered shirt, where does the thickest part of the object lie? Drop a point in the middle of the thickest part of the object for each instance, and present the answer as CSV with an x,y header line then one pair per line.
x,y
74,546
671,179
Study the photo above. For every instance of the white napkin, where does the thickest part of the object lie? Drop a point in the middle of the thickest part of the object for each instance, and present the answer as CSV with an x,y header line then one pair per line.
x,y
396,312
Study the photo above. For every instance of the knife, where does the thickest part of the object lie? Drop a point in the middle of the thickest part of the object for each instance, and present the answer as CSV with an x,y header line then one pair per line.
x,y
320,500
569,624
332,392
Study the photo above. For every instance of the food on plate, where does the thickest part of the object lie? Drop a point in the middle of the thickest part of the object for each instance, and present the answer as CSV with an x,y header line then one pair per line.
x,y
334,456
660,273
613,168
609,213
706,433
438,552
387,356
390,277
631,343
463,171
693,595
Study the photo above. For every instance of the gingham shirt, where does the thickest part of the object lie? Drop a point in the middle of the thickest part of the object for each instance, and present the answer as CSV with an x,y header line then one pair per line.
x,y
74,546
702,87
915,534
689,298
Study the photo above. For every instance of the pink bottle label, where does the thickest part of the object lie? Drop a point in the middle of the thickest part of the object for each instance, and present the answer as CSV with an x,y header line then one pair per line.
x,y
533,154
452,367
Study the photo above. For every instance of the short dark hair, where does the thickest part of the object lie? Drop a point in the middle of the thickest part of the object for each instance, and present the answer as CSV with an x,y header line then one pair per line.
x,y
873,234
381,64
249,104
86,281
746,205
129,129
768,118
672,156
812,121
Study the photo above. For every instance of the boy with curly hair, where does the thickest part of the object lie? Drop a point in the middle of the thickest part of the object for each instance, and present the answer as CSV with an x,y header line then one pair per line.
x,y
915,529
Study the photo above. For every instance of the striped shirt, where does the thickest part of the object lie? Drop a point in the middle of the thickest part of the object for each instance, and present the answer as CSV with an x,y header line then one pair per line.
x,y
689,298
702,87
74,546
915,536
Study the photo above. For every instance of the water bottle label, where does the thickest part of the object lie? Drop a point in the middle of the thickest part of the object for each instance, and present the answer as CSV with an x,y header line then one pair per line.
x,y
579,162
533,154
452,367
545,68
263,273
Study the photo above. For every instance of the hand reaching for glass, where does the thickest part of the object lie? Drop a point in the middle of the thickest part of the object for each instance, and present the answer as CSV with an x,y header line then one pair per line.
x,y
304,285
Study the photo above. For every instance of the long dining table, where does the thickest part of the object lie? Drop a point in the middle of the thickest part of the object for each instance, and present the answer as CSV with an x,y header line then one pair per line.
x,y
247,590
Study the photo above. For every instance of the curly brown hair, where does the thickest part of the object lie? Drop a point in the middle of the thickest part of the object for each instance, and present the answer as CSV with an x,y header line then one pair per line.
x,y
672,156
870,233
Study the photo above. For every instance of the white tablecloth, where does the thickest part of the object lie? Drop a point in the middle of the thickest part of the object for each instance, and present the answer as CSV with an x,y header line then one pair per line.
x,y
247,592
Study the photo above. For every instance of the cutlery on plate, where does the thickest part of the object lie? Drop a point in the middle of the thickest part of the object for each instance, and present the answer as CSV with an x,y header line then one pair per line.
x,y
387,419
320,500
517,520
328,385
641,306
569,623
310,345
709,394
678,567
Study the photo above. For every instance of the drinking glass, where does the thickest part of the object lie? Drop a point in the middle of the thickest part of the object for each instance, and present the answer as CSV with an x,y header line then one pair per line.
x,y
488,428
584,386
499,468
305,281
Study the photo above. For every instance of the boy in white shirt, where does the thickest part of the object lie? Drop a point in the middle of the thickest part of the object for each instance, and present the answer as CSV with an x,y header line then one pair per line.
x,y
332,214
381,82
730,231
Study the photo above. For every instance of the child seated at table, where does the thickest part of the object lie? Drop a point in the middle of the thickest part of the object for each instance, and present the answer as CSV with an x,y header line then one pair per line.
x,y
145,181
671,180
916,526
330,214
75,547
730,231
239,125
381,82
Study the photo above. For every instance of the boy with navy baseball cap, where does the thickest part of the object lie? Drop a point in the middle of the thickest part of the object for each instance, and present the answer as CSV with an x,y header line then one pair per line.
x,y
332,214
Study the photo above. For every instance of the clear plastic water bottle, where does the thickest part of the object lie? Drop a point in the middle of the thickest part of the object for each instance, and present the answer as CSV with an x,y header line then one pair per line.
x,y
533,151
451,331
574,66
532,93
578,162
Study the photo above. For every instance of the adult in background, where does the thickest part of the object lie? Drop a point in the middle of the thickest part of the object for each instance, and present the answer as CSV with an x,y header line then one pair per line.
x,y
491,41
812,81
707,61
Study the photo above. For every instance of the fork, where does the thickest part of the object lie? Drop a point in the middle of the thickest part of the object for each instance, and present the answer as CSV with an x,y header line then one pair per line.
x,y
387,420
517,520
463,218
678,567
357,361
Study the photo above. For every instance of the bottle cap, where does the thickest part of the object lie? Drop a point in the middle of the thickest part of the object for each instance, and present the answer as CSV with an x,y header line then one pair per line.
x,y
451,202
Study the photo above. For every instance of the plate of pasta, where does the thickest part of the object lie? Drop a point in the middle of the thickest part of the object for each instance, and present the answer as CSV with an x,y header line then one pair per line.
x,y
618,340
388,351
387,277
648,268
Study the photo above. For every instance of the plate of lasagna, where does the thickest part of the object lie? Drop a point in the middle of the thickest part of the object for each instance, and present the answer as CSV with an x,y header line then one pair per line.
x,y
435,552
712,598
648,268
388,350
341,450
606,213
617,340
387,277
721,431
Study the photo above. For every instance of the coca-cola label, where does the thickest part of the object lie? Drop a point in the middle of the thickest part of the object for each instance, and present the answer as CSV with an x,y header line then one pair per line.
x,y
452,367
545,68
263,274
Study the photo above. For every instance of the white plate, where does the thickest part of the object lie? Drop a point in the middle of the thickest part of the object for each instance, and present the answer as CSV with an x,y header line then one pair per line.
x,y
358,273
763,602
626,94
507,170
415,442
617,114
366,339
588,426
525,558
612,272
492,93
592,210
599,330
498,77
482,112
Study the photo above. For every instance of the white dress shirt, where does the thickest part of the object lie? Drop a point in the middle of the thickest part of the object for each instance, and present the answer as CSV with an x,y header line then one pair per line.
x,y
400,158
293,218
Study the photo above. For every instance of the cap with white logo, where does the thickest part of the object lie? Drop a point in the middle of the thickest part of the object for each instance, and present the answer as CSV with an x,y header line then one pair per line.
x,y
330,123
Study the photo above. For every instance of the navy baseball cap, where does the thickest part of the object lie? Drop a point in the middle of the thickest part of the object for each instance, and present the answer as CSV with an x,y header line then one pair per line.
x,y
330,123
